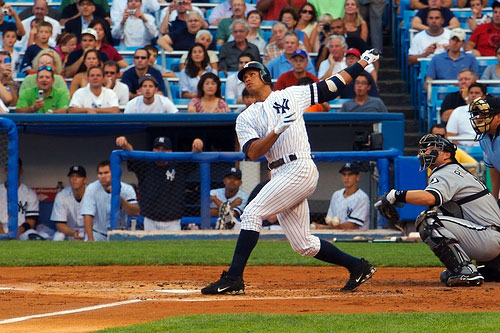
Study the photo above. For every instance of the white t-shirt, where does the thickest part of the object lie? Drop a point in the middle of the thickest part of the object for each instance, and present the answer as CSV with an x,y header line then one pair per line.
x,y
173,14
459,123
121,91
56,31
161,104
325,64
422,40
234,87
135,32
84,98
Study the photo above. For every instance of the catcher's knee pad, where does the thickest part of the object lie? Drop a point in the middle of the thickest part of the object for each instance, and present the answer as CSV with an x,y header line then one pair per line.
x,y
425,219
448,251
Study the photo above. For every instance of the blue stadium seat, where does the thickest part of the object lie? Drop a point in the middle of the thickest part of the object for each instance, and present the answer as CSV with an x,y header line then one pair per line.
x,y
437,96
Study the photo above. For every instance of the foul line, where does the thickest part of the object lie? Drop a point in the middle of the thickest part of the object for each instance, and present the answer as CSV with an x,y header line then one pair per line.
x,y
65,312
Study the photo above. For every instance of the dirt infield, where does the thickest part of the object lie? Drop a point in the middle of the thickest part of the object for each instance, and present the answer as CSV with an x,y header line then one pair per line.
x,y
162,291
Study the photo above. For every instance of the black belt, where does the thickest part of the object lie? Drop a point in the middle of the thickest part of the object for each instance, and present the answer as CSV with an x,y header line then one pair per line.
x,y
280,162
496,228
105,235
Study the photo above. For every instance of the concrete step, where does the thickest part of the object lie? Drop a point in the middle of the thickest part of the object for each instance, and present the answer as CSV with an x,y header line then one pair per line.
x,y
395,86
387,61
397,99
411,126
411,139
389,74
407,110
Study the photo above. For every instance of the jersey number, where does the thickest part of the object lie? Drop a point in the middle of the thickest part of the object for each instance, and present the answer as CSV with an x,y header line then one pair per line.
x,y
283,108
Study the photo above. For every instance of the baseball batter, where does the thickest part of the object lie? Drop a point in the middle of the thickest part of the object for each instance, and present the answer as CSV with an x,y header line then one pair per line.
x,y
465,221
273,126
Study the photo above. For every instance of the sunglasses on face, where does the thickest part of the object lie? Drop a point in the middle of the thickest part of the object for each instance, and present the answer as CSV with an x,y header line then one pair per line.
x,y
108,72
140,57
305,11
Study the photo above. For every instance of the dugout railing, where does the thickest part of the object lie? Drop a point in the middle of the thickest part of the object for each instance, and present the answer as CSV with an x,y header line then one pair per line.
x,y
382,158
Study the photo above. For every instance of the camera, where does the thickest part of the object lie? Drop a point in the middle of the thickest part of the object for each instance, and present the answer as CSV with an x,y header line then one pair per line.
x,y
5,11
327,27
131,11
40,94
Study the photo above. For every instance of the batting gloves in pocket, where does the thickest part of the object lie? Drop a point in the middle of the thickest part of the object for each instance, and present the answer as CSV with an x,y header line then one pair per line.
x,y
284,121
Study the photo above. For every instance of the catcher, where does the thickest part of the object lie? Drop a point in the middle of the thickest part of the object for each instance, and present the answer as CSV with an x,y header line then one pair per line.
x,y
463,219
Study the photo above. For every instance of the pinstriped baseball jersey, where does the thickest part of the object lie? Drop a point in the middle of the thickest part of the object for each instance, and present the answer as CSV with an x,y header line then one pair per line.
x,y
67,209
260,118
27,205
97,202
451,182
355,208
220,193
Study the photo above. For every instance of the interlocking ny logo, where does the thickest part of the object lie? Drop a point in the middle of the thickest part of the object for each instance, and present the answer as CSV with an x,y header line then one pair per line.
x,y
283,108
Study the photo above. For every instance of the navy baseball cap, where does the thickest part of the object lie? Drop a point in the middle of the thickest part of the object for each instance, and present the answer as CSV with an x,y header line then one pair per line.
x,y
354,168
78,169
495,4
300,53
233,172
146,78
164,142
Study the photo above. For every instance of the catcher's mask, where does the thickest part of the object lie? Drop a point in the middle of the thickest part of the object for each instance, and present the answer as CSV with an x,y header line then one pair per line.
x,y
482,111
429,147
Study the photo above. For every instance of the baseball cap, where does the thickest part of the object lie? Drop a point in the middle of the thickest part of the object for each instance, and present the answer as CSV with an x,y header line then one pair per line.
x,y
78,169
89,31
495,4
147,77
350,166
458,33
164,142
80,1
299,52
233,172
354,51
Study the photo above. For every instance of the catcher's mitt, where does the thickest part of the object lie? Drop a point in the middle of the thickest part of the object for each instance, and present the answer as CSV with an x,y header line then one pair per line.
x,y
387,210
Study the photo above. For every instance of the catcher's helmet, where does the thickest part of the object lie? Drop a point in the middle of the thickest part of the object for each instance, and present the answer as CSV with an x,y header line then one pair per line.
x,y
482,110
265,75
437,143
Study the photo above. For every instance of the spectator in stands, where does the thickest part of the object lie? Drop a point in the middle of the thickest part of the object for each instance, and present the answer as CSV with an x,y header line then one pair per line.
x,y
283,63
174,16
44,98
238,8
161,184
94,98
325,29
307,22
352,56
247,99
209,97
47,58
66,43
8,93
118,7
18,26
459,124
103,45
419,4
135,28
230,197
40,10
447,65
75,58
323,107
255,35
299,62
336,59
272,8
86,10
153,56
337,27
149,101
449,20
453,100
90,59
182,39
43,33
68,205
96,203
69,10
9,38
131,76
372,11
111,72
492,71
197,64
290,18
429,42
350,206
27,213
354,23
477,17
204,37
362,102
483,40
234,87
460,155
275,48
465,3
229,52
223,10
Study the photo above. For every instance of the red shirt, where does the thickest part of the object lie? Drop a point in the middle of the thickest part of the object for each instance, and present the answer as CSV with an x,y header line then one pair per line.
x,y
111,52
288,79
486,38
274,10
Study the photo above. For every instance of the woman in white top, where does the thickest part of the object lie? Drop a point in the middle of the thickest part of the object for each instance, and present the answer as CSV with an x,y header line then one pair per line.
x,y
307,21
197,64
91,58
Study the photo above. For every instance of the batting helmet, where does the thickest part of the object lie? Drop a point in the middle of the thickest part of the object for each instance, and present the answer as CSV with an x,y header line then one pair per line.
x,y
482,111
437,143
265,75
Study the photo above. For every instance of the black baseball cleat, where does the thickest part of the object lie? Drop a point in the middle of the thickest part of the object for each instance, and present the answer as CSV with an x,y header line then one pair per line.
x,y
227,284
472,279
359,275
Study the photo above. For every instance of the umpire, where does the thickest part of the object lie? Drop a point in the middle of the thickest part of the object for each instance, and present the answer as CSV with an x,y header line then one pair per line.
x,y
463,219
